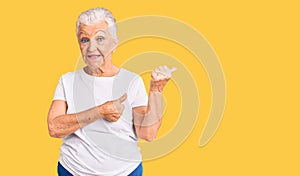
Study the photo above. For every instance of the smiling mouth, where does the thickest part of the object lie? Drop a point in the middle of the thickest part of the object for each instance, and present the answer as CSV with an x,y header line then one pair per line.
x,y
93,56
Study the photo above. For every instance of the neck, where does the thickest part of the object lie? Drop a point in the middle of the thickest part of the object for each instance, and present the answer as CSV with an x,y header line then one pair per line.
x,y
103,70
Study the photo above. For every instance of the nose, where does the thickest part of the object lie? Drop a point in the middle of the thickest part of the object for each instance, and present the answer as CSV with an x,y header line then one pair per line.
x,y
92,46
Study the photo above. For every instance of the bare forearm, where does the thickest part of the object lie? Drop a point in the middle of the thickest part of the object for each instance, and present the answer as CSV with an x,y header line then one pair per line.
x,y
154,110
61,124
149,122
67,124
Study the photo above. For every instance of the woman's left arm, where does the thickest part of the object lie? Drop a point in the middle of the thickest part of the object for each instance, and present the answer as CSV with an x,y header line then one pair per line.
x,y
147,119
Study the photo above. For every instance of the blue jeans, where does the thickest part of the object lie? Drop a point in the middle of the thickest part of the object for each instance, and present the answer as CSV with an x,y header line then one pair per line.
x,y
138,171
63,172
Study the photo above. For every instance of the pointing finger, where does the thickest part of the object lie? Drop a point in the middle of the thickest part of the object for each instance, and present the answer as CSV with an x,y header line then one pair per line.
x,y
123,98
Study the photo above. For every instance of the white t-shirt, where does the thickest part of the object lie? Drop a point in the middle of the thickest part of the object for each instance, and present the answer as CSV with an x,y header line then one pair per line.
x,y
101,148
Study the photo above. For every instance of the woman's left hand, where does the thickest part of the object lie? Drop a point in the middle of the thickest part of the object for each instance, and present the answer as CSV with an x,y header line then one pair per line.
x,y
160,76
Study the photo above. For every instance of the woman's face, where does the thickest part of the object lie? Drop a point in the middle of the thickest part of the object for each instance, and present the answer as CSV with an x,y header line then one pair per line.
x,y
96,43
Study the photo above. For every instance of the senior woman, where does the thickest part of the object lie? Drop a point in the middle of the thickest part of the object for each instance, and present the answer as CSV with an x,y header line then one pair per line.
x,y
101,110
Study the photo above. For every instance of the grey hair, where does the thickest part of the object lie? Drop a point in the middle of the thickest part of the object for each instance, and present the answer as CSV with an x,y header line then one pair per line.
x,y
95,15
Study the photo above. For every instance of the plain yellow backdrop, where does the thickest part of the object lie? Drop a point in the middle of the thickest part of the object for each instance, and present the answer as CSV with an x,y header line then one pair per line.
x,y
258,46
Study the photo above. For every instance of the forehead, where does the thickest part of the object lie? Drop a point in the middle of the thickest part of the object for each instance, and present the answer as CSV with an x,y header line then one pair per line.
x,y
91,29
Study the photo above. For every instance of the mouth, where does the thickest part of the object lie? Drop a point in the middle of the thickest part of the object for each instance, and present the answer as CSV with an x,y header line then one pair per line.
x,y
93,56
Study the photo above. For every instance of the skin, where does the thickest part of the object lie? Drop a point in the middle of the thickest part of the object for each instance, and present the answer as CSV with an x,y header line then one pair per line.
x,y
96,45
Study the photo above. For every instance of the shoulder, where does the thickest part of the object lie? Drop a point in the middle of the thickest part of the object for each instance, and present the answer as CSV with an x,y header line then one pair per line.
x,y
135,81
130,76
126,72
70,75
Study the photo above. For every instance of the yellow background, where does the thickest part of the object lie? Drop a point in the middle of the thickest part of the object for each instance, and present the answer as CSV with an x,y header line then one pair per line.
x,y
258,46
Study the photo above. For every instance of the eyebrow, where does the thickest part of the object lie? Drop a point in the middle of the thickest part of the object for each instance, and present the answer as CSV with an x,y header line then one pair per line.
x,y
82,32
100,31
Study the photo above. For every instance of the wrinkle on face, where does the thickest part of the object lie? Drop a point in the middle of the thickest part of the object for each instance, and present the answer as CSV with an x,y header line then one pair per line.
x,y
96,43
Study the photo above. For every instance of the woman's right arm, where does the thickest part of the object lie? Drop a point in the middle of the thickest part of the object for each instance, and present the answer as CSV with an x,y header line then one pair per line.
x,y
61,124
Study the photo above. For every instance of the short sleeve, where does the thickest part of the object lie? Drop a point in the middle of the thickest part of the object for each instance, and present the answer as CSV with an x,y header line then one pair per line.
x,y
140,96
60,91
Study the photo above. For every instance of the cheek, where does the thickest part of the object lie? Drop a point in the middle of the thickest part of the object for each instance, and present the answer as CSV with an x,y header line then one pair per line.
x,y
101,47
108,46
83,48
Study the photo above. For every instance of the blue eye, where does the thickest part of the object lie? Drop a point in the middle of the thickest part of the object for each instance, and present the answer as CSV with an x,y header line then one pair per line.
x,y
84,40
100,39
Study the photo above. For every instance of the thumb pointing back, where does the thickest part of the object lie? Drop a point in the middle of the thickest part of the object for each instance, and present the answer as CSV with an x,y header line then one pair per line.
x,y
173,69
123,98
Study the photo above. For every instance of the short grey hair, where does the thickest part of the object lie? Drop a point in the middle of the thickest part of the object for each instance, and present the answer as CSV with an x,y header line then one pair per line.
x,y
95,15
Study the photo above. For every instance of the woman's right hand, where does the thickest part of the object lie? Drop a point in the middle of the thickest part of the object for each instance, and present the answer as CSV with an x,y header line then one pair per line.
x,y
112,110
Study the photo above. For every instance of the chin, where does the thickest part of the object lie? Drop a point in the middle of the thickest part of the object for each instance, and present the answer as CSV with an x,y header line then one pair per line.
x,y
93,64
93,61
